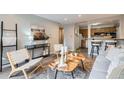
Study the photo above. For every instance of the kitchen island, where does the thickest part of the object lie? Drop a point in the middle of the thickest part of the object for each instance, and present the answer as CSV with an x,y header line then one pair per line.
x,y
118,42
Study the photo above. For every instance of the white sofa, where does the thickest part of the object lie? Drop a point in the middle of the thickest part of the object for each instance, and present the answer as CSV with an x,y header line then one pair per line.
x,y
109,64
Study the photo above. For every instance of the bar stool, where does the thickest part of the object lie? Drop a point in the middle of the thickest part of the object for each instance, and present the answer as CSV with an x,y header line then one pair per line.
x,y
110,42
95,44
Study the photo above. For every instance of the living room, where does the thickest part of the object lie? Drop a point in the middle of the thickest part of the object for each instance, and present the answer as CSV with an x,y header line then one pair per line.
x,y
61,46
67,31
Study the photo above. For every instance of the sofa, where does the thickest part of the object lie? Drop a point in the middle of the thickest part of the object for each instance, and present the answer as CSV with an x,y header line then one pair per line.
x,y
108,64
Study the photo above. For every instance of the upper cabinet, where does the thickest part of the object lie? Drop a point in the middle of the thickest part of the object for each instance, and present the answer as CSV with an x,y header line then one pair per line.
x,y
105,30
84,32
99,31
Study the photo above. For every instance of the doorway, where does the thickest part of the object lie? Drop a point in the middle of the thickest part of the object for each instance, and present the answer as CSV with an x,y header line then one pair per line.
x,y
61,35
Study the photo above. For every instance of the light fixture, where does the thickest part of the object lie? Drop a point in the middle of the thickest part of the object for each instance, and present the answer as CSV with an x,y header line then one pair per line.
x,y
94,24
65,19
79,15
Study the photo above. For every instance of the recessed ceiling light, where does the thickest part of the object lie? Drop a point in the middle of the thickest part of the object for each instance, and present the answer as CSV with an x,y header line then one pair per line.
x,y
79,15
65,19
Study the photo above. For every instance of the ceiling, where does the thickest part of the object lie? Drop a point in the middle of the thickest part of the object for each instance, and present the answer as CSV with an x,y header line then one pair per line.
x,y
74,18
105,23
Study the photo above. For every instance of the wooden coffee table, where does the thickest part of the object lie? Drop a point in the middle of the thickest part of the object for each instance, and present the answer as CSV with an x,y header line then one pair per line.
x,y
71,64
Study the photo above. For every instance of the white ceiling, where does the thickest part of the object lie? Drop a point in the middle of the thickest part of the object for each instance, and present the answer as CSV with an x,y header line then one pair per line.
x,y
74,18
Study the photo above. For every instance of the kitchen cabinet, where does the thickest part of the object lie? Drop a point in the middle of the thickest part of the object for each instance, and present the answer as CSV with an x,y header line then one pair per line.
x,y
84,32
99,31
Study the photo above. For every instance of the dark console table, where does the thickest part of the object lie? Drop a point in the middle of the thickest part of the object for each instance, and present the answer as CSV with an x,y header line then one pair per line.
x,y
45,49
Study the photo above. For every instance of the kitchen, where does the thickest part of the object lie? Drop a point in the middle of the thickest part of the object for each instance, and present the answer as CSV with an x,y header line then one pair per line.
x,y
104,32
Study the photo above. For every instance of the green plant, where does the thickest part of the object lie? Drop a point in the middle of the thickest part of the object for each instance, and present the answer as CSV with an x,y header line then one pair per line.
x,y
77,50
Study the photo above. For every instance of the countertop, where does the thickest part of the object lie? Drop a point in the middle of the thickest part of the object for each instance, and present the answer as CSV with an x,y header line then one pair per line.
x,y
104,39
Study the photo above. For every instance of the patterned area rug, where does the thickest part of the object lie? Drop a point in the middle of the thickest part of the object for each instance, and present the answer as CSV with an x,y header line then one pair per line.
x,y
47,73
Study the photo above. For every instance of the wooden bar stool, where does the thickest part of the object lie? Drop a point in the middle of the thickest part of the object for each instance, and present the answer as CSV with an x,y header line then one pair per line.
x,y
110,42
95,44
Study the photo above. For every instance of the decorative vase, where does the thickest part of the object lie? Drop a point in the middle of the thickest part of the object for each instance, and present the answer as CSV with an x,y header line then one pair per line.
x,y
65,50
62,56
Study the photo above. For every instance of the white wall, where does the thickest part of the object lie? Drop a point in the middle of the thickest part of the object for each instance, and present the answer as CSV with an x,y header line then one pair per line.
x,y
77,38
69,36
121,35
71,40
121,30
25,21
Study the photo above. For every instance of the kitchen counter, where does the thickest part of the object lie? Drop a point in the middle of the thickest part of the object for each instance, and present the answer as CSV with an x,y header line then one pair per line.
x,y
119,38
120,42
106,39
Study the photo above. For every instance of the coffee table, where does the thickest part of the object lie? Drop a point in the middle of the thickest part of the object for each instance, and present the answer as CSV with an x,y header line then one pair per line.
x,y
71,64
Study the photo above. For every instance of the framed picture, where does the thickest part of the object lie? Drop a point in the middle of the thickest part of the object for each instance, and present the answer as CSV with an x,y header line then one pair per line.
x,y
39,34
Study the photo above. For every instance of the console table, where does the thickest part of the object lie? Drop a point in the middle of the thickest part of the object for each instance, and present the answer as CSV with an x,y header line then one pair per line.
x,y
45,47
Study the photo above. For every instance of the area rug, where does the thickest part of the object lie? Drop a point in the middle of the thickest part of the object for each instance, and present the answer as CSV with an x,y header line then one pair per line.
x,y
47,73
